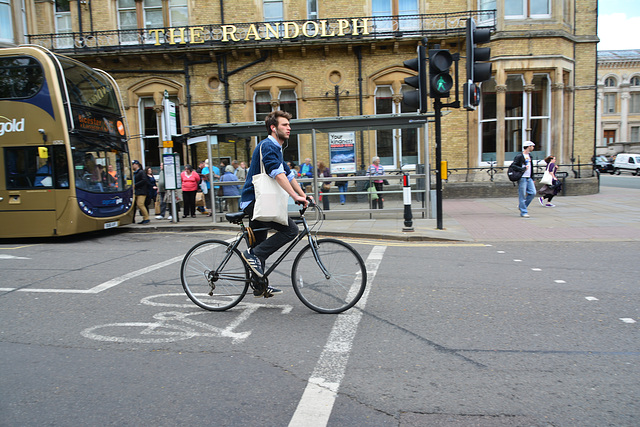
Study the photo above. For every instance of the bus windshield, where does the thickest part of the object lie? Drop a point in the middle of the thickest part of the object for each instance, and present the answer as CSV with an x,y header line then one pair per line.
x,y
99,168
88,88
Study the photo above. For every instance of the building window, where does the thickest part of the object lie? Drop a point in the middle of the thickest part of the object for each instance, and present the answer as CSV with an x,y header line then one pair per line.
x,y
540,105
151,131
526,9
273,10
63,23
389,10
287,102
395,147
488,122
514,115
610,82
609,137
609,103
312,10
635,134
635,81
133,15
486,5
6,23
634,103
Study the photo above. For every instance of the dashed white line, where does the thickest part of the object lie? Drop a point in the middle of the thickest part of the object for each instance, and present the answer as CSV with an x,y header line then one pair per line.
x,y
560,281
319,396
591,298
627,320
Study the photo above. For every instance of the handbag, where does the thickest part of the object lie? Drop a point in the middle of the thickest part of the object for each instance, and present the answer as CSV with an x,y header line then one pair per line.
x,y
203,186
271,199
547,179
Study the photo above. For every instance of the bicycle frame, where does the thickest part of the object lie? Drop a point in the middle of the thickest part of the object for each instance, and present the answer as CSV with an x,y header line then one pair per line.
x,y
305,232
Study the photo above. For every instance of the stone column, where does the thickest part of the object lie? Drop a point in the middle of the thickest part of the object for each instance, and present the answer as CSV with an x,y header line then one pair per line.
x,y
501,91
556,117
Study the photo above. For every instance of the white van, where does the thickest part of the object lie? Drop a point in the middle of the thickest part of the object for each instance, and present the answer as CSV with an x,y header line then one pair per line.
x,y
627,162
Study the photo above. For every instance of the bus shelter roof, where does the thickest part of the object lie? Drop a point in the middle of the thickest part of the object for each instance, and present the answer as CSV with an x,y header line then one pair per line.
x,y
307,126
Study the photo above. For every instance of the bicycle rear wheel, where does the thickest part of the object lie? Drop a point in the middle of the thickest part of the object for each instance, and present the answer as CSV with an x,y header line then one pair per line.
x,y
207,283
346,281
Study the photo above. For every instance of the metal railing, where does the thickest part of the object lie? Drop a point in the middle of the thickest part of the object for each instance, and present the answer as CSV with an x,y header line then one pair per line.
x,y
265,33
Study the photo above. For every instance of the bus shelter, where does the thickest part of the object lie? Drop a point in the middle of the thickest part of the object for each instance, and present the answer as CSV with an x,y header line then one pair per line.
x,y
342,140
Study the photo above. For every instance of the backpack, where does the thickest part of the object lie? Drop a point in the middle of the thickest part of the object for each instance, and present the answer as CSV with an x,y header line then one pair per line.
x,y
515,172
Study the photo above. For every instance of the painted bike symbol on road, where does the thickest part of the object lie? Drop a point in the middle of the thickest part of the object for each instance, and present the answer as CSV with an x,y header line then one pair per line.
x,y
173,326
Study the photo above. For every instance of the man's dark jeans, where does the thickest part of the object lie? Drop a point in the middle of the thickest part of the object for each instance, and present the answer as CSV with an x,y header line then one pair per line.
x,y
263,248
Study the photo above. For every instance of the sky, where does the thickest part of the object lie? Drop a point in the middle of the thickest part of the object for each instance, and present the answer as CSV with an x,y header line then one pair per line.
x,y
619,24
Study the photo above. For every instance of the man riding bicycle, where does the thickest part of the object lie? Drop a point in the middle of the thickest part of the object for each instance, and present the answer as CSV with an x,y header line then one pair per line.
x,y
278,127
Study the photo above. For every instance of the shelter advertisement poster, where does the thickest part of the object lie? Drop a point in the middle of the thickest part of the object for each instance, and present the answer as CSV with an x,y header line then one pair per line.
x,y
342,149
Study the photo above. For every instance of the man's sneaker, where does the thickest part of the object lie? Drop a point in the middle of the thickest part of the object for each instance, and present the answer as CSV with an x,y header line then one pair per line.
x,y
541,201
253,262
525,215
267,293
159,217
549,205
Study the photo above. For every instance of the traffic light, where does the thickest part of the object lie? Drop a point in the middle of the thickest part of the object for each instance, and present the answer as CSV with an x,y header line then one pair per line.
x,y
440,81
477,70
417,98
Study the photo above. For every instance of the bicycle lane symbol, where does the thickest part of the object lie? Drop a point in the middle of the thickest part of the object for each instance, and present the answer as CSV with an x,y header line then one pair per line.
x,y
174,326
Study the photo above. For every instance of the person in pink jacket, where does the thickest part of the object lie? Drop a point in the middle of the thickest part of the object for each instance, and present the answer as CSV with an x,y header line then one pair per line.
x,y
190,182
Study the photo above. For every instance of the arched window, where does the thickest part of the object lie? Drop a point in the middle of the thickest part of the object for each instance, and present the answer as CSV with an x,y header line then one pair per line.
x,y
635,81
610,82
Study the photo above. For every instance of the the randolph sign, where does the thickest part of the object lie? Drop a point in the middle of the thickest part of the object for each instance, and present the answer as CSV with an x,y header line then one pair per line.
x,y
263,31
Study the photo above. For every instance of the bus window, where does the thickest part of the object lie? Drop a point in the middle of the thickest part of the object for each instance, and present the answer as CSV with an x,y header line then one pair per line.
x,y
20,77
33,167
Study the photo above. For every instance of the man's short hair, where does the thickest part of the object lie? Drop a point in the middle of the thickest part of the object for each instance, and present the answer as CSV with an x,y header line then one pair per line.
x,y
272,119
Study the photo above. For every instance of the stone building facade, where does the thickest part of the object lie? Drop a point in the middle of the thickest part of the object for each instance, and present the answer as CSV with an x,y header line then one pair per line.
x,y
618,102
230,61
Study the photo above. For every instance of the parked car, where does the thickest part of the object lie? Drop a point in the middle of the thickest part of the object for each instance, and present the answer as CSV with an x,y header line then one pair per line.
x,y
627,162
602,165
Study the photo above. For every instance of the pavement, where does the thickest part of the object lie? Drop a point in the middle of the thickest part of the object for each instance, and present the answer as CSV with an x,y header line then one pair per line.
x,y
611,215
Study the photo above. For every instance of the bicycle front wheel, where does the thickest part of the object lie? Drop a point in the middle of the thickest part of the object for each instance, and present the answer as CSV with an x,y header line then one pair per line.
x,y
213,276
339,286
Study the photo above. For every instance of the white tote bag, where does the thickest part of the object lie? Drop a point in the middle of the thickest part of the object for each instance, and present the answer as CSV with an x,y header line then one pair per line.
x,y
547,178
271,199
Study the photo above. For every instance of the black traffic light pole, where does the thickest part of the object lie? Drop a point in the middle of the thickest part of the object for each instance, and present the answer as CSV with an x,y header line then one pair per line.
x,y
437,108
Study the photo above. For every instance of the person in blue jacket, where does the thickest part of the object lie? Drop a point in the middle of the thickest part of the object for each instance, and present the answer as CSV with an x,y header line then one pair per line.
x,y
278,127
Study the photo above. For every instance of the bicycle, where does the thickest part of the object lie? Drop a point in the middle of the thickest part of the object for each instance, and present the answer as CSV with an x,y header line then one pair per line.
x,y
328,275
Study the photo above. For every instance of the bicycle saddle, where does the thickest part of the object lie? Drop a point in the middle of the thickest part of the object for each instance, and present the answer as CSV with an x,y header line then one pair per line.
x,y
235,217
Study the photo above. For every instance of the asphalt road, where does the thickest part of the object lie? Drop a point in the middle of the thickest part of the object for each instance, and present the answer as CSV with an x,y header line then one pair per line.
x,y
96,330
624,180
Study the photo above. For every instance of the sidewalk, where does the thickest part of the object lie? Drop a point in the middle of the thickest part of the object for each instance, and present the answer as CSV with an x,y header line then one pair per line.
x,y
611,215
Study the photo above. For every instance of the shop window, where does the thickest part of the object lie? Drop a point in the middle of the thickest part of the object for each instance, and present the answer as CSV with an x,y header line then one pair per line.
x,y
609,103
610,82
526,9
488,122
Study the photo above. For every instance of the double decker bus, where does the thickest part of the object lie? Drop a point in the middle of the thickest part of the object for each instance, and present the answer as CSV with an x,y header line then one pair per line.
x,y
64,159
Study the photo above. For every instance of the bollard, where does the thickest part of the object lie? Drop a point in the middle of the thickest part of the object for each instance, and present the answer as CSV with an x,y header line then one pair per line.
x,y
406,197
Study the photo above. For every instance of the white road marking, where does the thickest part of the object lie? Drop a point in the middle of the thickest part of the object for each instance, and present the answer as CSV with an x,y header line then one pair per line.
x,y
319,396
536,269
517,260
4,256
627,320
591,298
560,281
